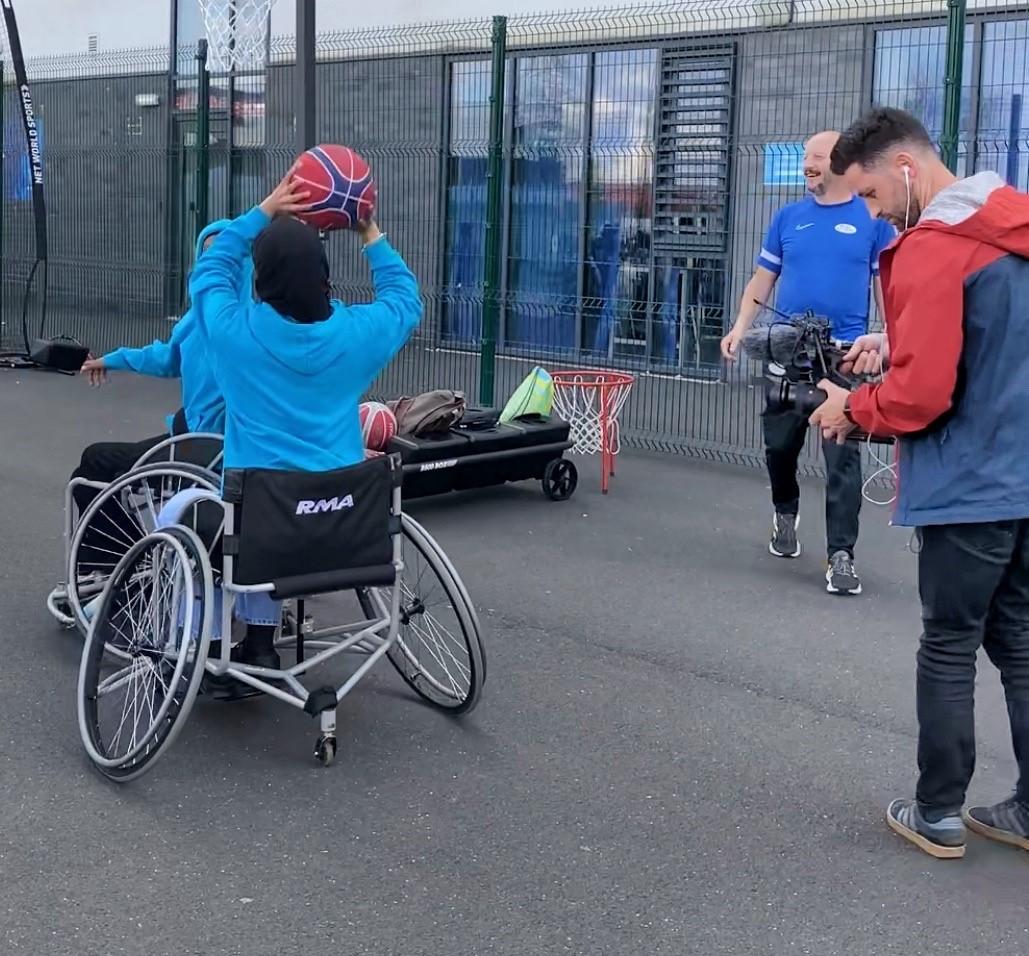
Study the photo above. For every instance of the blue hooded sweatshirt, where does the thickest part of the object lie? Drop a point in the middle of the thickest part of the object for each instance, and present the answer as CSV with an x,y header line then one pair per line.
x,y
292,389
184,356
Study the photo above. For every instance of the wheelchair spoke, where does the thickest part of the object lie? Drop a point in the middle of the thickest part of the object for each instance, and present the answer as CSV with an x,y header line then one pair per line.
x,y
439,652
125,710
122,515
430,638
115,681
146,616
437,649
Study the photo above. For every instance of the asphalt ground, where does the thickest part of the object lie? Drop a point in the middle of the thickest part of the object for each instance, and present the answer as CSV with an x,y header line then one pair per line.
x,y
685,746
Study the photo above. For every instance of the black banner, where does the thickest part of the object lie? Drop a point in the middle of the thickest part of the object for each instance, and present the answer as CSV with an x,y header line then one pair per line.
x,y
28,116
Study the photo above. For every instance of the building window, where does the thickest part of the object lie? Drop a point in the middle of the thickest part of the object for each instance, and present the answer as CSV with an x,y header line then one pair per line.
x,y
621,205
578,172
466,201
1004,102
909,71
547,169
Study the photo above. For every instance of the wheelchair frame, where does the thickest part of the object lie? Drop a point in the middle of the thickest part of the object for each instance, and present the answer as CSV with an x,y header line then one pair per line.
x,y
73,532
372,638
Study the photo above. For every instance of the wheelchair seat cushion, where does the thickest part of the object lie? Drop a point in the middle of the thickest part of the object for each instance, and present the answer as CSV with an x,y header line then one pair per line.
x,y
313,532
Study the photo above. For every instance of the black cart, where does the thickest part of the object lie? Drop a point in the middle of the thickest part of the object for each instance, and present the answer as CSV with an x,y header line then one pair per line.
x,y
469,457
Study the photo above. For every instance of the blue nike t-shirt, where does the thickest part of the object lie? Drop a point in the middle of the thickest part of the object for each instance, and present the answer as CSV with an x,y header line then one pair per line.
x,y
825,257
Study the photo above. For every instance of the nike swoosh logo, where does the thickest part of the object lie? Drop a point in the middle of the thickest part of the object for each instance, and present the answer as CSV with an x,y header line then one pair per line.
x,y
807,225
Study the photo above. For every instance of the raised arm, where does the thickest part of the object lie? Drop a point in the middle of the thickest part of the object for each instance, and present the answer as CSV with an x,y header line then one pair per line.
x,y
215,282
383,327
217,277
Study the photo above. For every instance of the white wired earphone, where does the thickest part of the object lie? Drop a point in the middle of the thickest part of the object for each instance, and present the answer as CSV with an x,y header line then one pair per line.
x,y
885,467
907,187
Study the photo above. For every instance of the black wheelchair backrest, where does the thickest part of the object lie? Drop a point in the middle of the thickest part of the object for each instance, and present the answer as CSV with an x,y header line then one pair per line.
x,y
312,532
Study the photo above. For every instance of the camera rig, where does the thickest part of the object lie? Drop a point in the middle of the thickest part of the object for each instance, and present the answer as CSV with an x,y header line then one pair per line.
x,y
800,353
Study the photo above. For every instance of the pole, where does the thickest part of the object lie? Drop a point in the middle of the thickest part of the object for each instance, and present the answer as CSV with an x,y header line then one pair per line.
x,y
1014,134
3,162
203,175
33,146
494,212
305,90
952,83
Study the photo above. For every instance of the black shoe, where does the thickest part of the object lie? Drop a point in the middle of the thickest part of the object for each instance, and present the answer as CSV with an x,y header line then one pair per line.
x,y
943,839
1006,822
784,543
225,687
840,577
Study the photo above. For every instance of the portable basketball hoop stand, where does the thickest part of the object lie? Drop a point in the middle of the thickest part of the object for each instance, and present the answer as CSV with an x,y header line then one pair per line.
x,y
590,401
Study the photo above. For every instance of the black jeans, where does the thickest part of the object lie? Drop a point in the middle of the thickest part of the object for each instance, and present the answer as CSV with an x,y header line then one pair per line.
x,y
112,530
785,434
973,580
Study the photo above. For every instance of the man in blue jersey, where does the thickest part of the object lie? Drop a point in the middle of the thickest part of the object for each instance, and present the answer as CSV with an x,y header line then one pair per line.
x,y
822,254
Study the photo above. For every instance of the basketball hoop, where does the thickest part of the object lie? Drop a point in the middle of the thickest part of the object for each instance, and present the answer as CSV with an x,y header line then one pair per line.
x,y
590,402
237,32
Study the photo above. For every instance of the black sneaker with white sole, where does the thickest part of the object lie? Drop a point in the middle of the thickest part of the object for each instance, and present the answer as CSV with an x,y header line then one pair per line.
x,y
1006,822
840,576
784,543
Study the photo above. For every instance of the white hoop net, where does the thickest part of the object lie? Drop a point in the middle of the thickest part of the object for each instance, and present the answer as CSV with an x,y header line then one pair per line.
x,y
237,33
590,403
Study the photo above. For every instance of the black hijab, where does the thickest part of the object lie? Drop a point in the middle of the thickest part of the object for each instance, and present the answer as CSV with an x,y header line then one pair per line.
x,y
291,271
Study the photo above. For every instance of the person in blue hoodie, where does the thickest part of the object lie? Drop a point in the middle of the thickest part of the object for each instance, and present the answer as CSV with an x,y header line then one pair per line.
x,y
183,356
292,362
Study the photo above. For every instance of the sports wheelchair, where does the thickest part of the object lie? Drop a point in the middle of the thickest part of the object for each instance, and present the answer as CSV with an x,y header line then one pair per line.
x,y
278,539
121,513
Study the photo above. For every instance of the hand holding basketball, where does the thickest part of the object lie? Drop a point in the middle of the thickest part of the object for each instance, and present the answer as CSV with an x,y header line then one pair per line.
x,y
289,198
342,189
368,231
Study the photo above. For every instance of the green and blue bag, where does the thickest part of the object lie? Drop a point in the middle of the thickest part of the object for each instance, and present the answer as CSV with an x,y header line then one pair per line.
x,y
535,396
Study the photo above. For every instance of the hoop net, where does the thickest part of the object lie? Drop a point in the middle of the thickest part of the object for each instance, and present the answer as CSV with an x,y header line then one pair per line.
x,y
590,402
237,32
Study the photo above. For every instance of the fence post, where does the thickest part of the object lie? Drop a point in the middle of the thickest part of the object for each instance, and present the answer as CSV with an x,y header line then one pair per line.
x,y
494,214
304,84
203,134
952,83
3,163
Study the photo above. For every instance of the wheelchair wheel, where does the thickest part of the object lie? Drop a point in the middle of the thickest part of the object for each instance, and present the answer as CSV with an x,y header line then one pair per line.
x,y
439,651
157,611
116,519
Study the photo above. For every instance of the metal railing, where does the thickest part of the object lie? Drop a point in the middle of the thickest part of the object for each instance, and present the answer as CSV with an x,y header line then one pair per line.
x,y
570,191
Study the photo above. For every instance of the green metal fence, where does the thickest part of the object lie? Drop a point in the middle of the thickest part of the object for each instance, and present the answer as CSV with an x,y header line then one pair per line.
x,y
571,191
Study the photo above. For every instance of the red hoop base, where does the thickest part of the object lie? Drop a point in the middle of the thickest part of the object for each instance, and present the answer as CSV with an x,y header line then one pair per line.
x,y
590,400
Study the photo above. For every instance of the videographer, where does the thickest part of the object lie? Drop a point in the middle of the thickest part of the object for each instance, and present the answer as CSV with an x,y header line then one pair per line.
x,y
823,252
956,395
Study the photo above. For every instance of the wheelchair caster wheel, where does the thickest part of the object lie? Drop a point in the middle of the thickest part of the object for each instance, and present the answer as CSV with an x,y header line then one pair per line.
x,y
325,750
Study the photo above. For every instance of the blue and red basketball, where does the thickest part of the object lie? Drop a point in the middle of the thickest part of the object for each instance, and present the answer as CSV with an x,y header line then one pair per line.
x,y
342,190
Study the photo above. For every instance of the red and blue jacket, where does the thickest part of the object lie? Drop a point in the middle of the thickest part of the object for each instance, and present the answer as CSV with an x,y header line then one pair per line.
x,y
956,292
